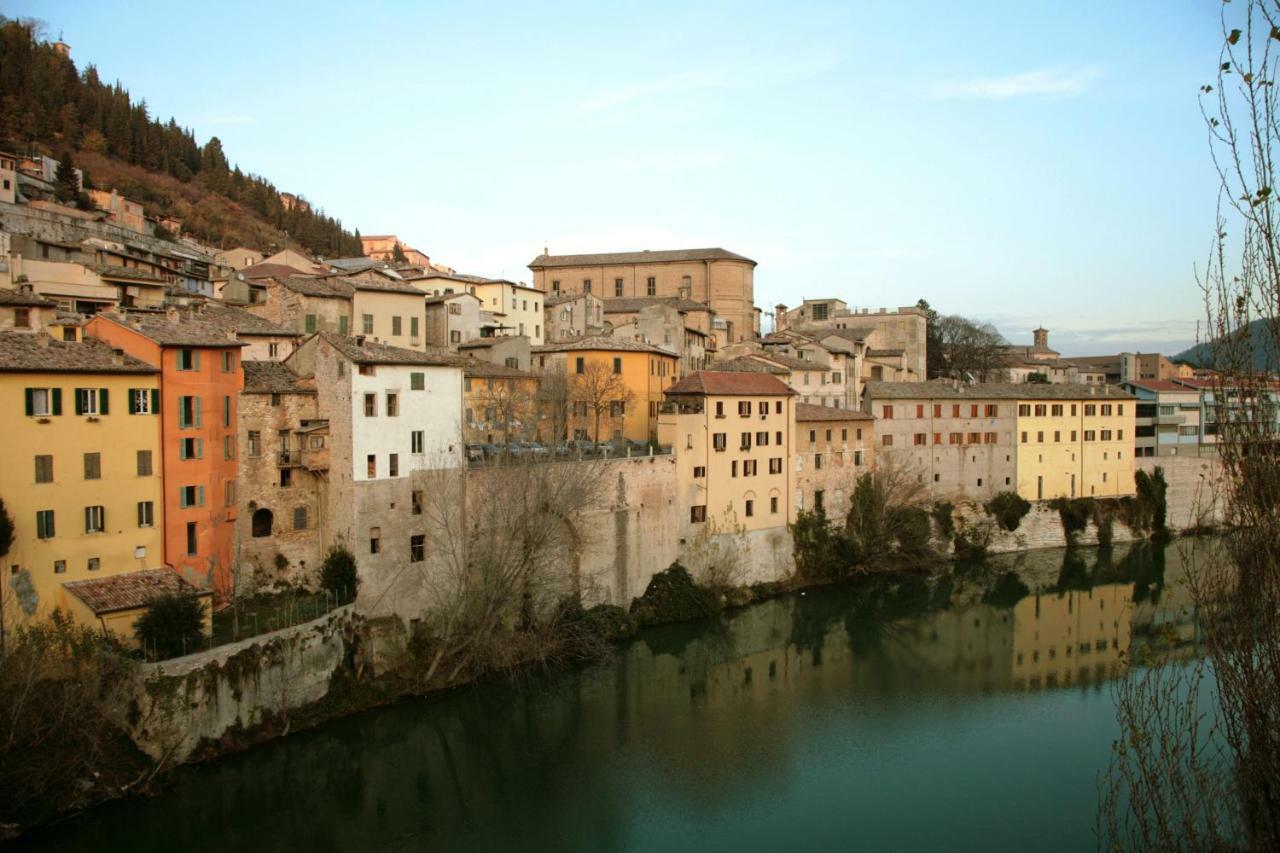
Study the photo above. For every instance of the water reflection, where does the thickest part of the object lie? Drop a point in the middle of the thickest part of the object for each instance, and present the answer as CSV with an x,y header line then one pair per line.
x,y
802,721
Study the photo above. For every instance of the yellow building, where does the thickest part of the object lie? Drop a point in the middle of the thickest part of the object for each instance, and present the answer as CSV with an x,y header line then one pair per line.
x,y
733,438
1075,442
517,308
614,386
499,403
388,311
1072,637
81,477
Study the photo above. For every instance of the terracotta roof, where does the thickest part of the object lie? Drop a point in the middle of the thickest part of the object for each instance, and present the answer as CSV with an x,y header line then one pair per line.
x,y
274,377
25,352
22,299
445,297
180,327
789,362
746,364
808,412
645,257
278,271
385,285
130,590
884,353
729,384
330,287
364,351
991,391
603,343
478,367
632,305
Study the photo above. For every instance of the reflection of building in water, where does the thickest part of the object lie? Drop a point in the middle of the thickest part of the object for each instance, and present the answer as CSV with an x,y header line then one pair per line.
x,y
1063,638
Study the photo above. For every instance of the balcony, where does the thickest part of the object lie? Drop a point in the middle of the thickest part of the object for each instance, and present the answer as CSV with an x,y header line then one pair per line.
x,y
1169,420
316,459
288,458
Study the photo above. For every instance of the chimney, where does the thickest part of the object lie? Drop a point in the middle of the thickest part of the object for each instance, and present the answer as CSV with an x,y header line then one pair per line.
x,y
42,341
359,340
117,356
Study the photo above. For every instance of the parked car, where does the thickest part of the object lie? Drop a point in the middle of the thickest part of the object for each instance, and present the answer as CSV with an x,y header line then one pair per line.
x,y
475,452
536,449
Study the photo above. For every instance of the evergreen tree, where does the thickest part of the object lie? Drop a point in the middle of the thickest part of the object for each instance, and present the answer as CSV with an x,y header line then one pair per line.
x,y
66,186
397,254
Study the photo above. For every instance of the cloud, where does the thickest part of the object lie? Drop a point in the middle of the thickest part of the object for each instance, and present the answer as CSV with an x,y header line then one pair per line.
x,y
1044,81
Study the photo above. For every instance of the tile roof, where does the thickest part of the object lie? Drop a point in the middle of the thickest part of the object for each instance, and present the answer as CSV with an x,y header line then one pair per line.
x,y
942,390
330,287
857,334
364,351
885,353
729,384
274,377
128,273
130,590
632,305
353,264
277,271
644,257
385,285
603,343
24,352
478,367
445,297
181,327
808,412
22,299
788,361
746,364
1162,385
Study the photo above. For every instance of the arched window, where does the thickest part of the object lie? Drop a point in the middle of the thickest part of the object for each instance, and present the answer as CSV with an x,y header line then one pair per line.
x,y
262,520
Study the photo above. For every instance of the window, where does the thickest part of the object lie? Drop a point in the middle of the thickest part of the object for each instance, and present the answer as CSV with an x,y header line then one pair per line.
x,y
393,465
44,524
744,409
93,564
887,412
21,316
413,328
1040,436
937,438
44,469
255,443
937,410
762,439
992,410
228,362
698,514
749,467
393,405
191,448
370,405
719,408
397,328
579,366
191,539
920,410
188,412
817,461
1056,410
750,508
1106,410
777,407
189,496
555,285
286,477
42,402
273,350
777,437
59,567
744,442
93,466
886,440
366,323
773,505
920,439
1090,435
229,493
1024,410
955,410
344,324
973,410
1040,410
417,381
91,401
1024,436
617,365
310,324
617,287
415,441
188,359
299,518
375,540
699,471
775,465
95,519
371,465
415,501
651,286
144,401
719,440
586,285
455,337
417,548
1090,410
228,447
146,514
955,438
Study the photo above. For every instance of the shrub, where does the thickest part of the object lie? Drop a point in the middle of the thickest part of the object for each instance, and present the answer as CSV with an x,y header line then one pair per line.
x,y
172,625
672,596
1075,514
1008,509
942,514
1105,528
822,553
972,541
338,573
1152,505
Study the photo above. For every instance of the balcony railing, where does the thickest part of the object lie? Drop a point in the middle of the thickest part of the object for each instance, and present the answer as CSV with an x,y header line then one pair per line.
x,y
288,458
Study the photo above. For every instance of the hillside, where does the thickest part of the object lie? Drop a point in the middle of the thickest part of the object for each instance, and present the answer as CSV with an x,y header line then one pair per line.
x,y
1261,344
49,106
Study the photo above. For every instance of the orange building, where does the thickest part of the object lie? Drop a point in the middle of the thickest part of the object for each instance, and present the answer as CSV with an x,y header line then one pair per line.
x,y
200,382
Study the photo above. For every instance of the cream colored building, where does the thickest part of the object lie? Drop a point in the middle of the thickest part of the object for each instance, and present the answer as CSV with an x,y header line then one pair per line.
x,y
723,280
834,447
517,307
896,340
733,438
389,312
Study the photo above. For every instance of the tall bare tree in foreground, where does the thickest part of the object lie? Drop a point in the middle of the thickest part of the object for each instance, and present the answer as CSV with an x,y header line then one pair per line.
x,y
503,575
1197,765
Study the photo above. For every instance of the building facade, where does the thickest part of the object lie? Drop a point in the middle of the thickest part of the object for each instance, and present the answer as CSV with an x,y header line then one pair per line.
x,y
833,448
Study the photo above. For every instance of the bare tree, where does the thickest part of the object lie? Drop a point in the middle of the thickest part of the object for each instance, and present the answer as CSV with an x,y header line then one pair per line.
x,y
600,394
552,401
504,567
969,346
1226,757
511,405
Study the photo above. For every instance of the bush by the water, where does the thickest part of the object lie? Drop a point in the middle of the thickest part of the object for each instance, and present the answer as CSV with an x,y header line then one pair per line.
x,y
172,625
338,573
822,552
943,514
1008,509
672,596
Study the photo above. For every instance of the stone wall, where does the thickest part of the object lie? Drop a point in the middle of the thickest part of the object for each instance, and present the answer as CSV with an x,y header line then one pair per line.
x,y
1195,489
170,708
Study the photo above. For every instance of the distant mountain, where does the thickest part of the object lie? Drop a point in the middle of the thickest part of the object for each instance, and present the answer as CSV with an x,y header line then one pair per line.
x,y
48,106
1261,346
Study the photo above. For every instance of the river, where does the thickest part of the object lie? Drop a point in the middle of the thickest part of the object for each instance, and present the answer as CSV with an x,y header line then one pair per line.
x,y
971,712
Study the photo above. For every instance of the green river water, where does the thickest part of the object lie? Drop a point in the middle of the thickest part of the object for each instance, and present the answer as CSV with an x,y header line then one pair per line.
x,y
895,714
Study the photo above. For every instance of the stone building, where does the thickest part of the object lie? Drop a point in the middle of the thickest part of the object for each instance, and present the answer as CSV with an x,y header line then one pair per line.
x,y
664,324
833,448
500,403
572,315
452,319
720,279
23,310
813,380
283,475
897,336
305,304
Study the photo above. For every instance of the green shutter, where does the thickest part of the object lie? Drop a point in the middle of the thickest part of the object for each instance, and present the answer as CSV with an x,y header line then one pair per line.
x,y
57,401
79,401
133,406
199,495
31,401
195,359
103,408
155,401
199,418
200,450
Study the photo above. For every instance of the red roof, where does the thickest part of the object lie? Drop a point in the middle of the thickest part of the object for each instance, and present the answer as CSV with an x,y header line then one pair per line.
x,y
1162,385
130,590
722,383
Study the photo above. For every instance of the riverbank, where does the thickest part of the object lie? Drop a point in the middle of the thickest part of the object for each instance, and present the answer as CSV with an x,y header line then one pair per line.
x,y
888,683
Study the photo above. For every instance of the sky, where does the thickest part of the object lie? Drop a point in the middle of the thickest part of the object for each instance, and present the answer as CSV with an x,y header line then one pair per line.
x,y
1021,163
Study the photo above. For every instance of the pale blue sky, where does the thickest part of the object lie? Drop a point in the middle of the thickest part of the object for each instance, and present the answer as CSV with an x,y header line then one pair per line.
x,y
1024,163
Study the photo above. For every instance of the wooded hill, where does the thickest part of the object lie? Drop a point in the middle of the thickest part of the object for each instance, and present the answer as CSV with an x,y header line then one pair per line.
x,y
47,105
